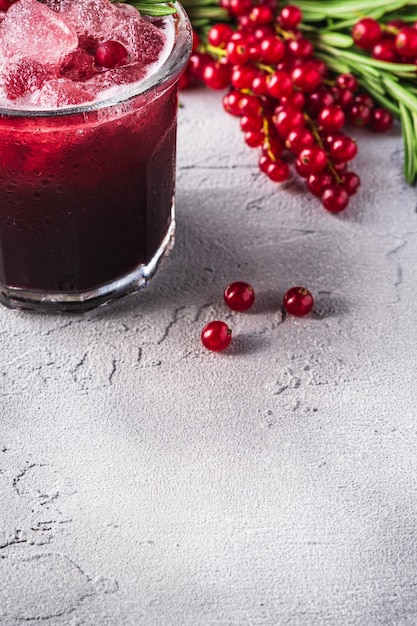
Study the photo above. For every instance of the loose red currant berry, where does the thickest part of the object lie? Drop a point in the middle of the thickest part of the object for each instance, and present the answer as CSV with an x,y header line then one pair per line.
x,y
239,296
335,199
216,336
366,33
298,301
110,54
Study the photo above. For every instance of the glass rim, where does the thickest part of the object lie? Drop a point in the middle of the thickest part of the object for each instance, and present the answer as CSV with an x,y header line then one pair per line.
x,y
166,74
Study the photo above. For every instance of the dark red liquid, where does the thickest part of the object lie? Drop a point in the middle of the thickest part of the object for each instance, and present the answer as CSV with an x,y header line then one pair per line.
x,y
85,198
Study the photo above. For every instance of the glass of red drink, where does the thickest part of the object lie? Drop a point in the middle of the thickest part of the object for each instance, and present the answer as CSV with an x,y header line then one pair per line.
x,y
87,192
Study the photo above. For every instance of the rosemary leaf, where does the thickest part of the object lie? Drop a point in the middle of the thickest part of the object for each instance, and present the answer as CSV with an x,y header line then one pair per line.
x,y
410,157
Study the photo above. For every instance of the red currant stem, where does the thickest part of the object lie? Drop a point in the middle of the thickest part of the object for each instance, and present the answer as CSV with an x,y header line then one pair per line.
x,y
265,68
266,127
316,135
286,35
215,51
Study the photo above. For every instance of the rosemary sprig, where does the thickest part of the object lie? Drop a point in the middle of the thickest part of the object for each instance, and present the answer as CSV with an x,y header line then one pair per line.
x,y
153,8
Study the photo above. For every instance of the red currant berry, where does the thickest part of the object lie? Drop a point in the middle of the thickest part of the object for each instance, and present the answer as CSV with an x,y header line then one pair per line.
x,y
380,120
406,42
343,149
317,100
385,51
301,48
331,118
219,34
314,159
278,171
237,52
216,336
110,54
290,17
279,84
335,199
254,139
239,296
216,75
261,15
231,103
250,105
366,33
239,7
342,97
271,49
295,99
306,77
298,301
259,85
286,119
242,76
350,182
298,139
359,114
347,81
252,123
317,183
5,4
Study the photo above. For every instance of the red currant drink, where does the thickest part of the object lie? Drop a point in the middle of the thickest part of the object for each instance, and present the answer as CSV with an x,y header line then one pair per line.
x,y
87,150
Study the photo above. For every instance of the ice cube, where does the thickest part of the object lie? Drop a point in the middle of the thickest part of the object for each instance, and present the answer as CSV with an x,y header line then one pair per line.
x,y
21,76
102,20
142,40
33,30
78,65
95,18
123,75
60,92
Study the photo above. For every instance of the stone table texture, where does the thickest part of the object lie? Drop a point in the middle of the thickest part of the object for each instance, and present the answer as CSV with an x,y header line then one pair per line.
x,y
147,481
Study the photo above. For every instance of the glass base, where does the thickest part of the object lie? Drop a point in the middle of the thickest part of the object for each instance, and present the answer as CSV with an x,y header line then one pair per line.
x,y
81,301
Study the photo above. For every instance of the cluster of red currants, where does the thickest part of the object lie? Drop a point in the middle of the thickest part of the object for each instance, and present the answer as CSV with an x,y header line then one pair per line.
x,y
240,296
289,107
395,42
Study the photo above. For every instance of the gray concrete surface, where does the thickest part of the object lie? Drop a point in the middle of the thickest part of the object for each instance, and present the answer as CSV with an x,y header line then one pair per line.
x,y
146,481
